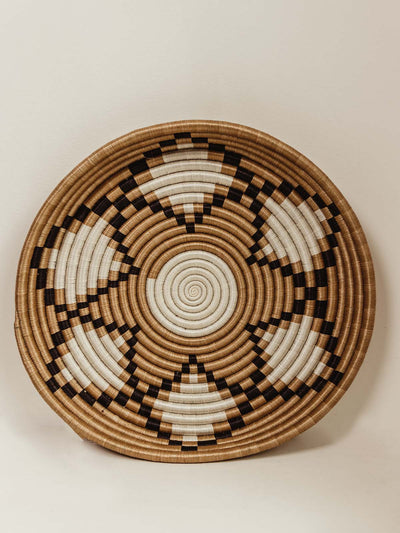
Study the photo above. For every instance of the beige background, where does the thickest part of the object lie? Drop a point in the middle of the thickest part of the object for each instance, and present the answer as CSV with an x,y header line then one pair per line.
x,y
322,76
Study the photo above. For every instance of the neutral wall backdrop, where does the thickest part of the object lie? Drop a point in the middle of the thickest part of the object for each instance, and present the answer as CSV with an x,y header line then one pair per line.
x,y
322,76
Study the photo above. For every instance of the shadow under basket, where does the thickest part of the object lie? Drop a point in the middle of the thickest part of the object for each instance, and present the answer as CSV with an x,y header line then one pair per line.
x,y
194,291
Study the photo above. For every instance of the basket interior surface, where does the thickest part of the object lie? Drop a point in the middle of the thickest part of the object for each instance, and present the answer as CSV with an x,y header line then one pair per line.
x,y
194,291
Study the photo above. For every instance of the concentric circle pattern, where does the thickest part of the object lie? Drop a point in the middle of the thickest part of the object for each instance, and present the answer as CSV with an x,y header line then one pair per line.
x,y
194,291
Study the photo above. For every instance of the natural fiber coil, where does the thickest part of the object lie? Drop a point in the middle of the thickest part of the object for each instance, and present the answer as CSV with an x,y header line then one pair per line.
x,y
194,291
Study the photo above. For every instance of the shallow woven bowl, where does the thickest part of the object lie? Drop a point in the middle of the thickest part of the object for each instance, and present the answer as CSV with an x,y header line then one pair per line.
x,y
194,291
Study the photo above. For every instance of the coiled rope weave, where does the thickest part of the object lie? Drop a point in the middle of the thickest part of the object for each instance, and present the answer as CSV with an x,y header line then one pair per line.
x,y
194,291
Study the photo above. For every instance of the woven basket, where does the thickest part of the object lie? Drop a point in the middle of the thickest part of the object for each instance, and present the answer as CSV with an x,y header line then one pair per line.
x,y
194,291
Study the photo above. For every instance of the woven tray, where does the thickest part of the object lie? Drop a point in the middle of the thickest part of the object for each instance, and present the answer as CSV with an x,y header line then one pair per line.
x,y
194,291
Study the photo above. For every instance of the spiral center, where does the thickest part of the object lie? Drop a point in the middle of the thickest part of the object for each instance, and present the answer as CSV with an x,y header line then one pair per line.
x,y
194,293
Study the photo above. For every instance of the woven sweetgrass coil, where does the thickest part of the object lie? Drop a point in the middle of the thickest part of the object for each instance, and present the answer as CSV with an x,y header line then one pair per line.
x,y
194,291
